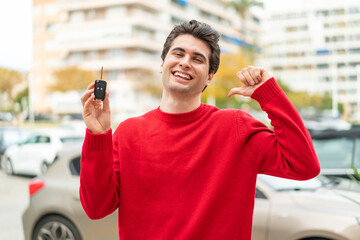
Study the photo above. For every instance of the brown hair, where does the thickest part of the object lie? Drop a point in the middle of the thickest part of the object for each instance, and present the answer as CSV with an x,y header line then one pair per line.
x,y
199,30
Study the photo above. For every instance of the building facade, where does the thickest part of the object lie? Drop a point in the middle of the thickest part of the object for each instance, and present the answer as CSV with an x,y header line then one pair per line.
x,y
125,37
315,47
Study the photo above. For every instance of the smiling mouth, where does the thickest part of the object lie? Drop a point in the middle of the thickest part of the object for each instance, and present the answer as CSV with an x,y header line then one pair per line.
x,y
182,75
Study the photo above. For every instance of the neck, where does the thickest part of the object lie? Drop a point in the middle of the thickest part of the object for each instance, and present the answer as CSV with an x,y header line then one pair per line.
x,y
174,104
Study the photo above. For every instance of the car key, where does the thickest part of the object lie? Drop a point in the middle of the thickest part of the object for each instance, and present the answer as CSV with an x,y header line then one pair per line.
x,y
100,87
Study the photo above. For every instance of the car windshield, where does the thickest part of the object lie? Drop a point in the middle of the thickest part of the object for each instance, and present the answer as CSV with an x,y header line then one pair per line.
x,y
334,153
14,136
11,137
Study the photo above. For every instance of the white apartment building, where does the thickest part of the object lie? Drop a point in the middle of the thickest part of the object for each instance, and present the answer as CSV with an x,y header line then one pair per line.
x,y
125,37
315,47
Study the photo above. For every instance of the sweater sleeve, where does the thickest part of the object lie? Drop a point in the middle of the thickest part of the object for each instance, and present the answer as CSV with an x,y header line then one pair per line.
x,y
99,186
287,151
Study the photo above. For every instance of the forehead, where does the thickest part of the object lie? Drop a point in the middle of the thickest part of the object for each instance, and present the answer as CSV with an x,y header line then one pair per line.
x,y
191,44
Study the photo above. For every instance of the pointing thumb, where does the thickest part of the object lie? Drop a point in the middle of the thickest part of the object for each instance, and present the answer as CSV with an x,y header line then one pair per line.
x,y
236,91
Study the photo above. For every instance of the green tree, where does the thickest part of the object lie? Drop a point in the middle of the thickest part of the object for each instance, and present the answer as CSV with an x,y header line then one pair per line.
x,y
8,80
21,97
305,100
225,79
71,78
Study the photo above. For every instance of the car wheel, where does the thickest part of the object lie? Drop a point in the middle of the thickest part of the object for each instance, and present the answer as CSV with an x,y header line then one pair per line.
x,y
44,167
9,167
55,228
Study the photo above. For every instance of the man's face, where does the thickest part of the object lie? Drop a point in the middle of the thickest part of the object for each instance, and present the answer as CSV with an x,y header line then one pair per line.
x,y
186,66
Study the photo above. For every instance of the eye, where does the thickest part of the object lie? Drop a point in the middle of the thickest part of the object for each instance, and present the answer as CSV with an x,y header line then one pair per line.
x,y
198,60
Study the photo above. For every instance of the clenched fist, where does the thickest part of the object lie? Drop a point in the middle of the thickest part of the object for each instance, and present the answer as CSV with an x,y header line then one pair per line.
x,y
252,78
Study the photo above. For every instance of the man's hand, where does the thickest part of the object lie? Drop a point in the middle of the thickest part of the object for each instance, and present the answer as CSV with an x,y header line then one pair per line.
x,y
96,114
252,78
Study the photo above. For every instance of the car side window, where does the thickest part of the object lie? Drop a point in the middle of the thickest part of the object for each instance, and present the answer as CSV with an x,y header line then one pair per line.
x,y
74,166
260,194
43,139
357,153
32,139
330,151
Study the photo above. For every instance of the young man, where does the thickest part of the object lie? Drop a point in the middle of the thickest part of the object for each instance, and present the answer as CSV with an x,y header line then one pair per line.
x,y
187,170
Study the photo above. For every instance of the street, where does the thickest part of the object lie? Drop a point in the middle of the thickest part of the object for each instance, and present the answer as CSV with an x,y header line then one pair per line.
x,y
14,198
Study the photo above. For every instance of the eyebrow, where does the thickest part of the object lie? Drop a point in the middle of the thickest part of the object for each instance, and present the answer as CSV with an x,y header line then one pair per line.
x,y
195,53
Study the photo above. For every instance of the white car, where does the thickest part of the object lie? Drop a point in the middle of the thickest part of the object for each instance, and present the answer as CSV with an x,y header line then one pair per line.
x,y
38,152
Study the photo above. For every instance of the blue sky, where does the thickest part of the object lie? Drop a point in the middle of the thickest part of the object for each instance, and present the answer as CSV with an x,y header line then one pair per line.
x,y
16,32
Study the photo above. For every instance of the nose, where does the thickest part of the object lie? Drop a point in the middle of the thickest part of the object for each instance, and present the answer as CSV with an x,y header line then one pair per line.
x,y
185,62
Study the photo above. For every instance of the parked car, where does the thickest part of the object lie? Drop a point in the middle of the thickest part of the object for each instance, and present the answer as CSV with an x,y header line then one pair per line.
x,y
38,152
55,209
337,151
284,209
10,136
317,209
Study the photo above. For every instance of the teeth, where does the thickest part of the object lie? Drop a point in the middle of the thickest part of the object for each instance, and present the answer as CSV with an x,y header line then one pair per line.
x,y
182,75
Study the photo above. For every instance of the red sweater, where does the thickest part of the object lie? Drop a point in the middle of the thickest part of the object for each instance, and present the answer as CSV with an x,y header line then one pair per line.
x,y
192,176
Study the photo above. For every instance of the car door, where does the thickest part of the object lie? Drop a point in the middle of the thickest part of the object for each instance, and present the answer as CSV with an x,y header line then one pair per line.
x,y
260,216
33,152
105,228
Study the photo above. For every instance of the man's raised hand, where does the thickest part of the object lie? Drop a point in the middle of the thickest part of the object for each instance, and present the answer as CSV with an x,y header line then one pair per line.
x,y
252,78
96,114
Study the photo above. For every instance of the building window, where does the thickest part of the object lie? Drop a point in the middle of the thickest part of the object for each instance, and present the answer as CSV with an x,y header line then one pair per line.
x,y
354,24
50,27
76,57
326,79
114,53
341,65
77,16
354,37
308,67
176,20
278,68
91,55
296,28
322,13
352,77
354,50
94,14
354,10
341,51
335,38
322,66
354,64
143,33
117,12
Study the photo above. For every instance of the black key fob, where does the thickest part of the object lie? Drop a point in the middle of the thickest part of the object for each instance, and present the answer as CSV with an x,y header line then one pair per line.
x,y
99,89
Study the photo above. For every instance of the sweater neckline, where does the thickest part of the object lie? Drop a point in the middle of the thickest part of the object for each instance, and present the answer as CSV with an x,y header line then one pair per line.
x,y
182,117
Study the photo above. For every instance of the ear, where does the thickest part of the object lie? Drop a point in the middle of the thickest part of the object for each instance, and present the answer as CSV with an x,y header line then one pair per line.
x,y
210,77
161,67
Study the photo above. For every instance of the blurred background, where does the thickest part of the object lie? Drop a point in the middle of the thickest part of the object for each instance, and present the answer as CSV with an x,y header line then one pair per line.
x,y
51,50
